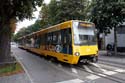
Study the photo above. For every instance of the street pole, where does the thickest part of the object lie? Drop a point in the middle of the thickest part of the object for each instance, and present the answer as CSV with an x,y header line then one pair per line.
x,y
115,41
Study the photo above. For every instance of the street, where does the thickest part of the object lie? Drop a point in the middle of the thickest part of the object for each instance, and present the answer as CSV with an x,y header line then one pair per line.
x,y
40,70
62,41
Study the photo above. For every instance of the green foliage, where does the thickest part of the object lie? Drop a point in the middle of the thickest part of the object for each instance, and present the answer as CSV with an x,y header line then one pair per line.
x,y
53,10
27,30
72,9
21,33
63,10
35,27
44,16
107,14
11,10
10,68
18,9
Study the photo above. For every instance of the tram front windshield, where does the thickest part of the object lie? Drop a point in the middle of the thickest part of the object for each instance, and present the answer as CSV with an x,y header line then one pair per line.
x,y
84,33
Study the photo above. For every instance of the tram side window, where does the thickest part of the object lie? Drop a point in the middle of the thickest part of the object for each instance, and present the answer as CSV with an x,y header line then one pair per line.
x,y
32,42
37,42
60,41
56,38
49,38
23,41
48,41
43,40
28,42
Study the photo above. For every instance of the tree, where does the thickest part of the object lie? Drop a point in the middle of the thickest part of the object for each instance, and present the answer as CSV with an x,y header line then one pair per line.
x,y
49,13
10,12
27,30
20,33
62,10
108,14
72,10
34,27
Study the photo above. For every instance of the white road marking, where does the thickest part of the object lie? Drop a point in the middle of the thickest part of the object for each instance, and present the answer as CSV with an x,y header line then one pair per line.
x,y
62,69
109,72
102,75
92,77
88,69
20,58
72,81
114,68
74,70
110,67
96,65
59,65
120,70
26,71
50,61
104,70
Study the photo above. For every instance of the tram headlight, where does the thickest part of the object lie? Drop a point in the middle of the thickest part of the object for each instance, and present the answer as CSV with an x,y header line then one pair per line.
x,y
77,53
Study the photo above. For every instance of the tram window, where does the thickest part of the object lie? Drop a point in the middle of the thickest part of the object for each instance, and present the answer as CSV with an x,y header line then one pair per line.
x,y
22,41
38,41
28,42
32,42
42,39
55,38
66,36
66,41
49,38
59,37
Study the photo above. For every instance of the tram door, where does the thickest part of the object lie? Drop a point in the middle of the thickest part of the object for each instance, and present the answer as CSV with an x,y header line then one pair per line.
x,y
66,41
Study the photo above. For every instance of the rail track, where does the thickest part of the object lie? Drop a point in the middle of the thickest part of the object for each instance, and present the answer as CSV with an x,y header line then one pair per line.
x,y
112,63
103,75
97,73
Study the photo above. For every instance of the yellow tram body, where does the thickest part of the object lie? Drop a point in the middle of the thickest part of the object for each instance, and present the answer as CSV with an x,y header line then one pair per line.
x,y
71,42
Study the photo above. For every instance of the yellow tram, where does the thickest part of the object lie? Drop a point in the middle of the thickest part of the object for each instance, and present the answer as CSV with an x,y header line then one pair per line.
x,y
71,42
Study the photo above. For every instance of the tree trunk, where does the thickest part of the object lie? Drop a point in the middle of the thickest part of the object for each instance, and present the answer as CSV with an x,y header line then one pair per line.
x,y
115,41
5,38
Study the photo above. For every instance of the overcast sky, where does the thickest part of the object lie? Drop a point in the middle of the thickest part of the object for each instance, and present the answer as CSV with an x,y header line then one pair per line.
x,y
26,22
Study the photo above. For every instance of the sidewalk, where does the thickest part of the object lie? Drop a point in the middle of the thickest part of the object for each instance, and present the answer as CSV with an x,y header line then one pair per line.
x,y
104,52
119,58
18,78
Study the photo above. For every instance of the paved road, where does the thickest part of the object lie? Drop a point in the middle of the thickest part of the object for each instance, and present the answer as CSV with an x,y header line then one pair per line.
x,y
40,70
18,78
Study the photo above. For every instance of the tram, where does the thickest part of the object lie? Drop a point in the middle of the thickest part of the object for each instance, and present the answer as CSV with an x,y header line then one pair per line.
x,y
71,42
